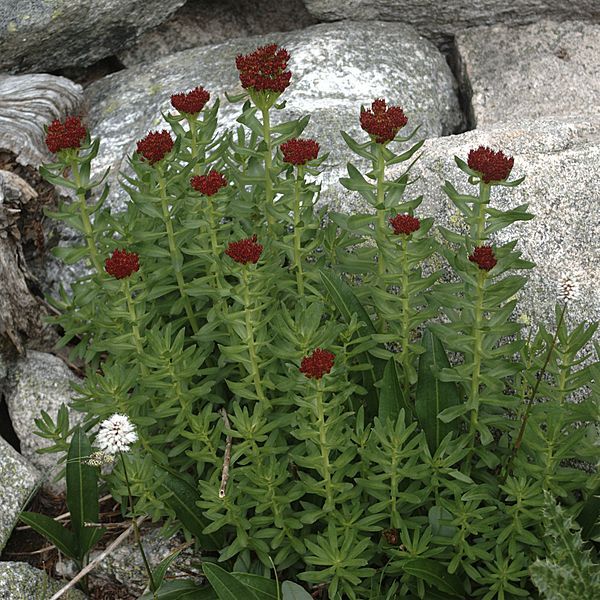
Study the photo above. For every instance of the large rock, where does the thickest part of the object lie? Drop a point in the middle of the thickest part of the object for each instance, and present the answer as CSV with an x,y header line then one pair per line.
x,y
45,35
205,22
557,157
442,19
543,69
18,481
21,581
39,381
28,103
336,68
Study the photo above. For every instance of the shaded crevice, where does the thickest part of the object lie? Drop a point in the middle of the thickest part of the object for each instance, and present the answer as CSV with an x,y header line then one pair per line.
x,y
84,76
449,49
6,427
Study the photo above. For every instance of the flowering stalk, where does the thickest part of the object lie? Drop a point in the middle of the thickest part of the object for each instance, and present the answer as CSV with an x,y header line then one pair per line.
x,y
297,232
405,319
174,250
473,398
319,413
477,232
381,212
268,166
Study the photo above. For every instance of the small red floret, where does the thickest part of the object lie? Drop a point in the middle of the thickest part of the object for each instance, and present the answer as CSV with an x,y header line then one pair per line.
x,y
208,184
69,134
122,264
298,151
381,121
319,363
484,257
264,69
405,224
493,166
192,102
245,251
155,146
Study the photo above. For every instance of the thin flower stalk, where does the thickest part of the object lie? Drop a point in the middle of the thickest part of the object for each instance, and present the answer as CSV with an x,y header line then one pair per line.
x,y
473,398
297,232
478,231
381,212
405,317
269,196
250,342
319,413
173,250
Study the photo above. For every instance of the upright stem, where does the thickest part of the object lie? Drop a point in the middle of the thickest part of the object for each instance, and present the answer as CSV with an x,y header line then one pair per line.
x,y
473,401
250,337
85,219
320,410
479,207
173,250
297,233
381,233
405,339
136,530
268,164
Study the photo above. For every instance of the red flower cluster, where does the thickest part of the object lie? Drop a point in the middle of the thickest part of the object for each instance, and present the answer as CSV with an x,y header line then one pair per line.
x,y
264,69
69,134
493,166
299,152
484,257
404,224
245,251
381,121
155,146
191,102
319,363
122,264
209,184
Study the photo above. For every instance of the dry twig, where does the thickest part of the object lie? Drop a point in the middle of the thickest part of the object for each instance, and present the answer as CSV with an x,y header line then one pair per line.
x,y
227,457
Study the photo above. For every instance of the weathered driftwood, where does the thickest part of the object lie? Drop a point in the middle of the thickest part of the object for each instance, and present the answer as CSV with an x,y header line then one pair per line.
x,y
27,104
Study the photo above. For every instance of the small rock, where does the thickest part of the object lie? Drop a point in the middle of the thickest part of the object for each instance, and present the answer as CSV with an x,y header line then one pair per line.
x,y
45,35
21,581
438,20
206,22
544,69
39,381
18,481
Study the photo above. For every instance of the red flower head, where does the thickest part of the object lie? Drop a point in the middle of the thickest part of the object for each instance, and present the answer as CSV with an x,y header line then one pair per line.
x,y
69,134
122,264
245,251
405,224
492,166
316,365
155,146
382,122
209,184
264,69
299,152
484,257
192,102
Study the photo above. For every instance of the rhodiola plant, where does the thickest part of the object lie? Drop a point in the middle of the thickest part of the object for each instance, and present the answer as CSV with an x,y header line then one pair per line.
x,y
286,368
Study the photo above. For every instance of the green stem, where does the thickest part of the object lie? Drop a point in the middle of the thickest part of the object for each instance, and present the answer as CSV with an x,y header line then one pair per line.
x,y
405,337
539,378
255,372
381,233
268,164
484,196
173,249
320,409
85,219
136,530
297,233
473,401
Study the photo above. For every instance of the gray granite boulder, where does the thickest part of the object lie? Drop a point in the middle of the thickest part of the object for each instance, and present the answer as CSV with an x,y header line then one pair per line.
x,y
336,68
543,69
38,381
556,156
203,22
441,19
45,35
18,482
21,581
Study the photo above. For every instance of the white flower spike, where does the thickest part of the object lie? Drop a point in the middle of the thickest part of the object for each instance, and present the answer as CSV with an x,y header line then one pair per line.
x,y
570,287
116,434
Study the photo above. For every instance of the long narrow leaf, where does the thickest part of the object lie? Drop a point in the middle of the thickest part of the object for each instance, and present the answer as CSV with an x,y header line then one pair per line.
x,y
181,590
226,585
435,574
52,530
432,395
391,398
292,591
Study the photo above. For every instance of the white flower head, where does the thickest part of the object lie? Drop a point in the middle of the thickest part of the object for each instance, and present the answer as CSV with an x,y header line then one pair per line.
x,y
116,434
570,287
